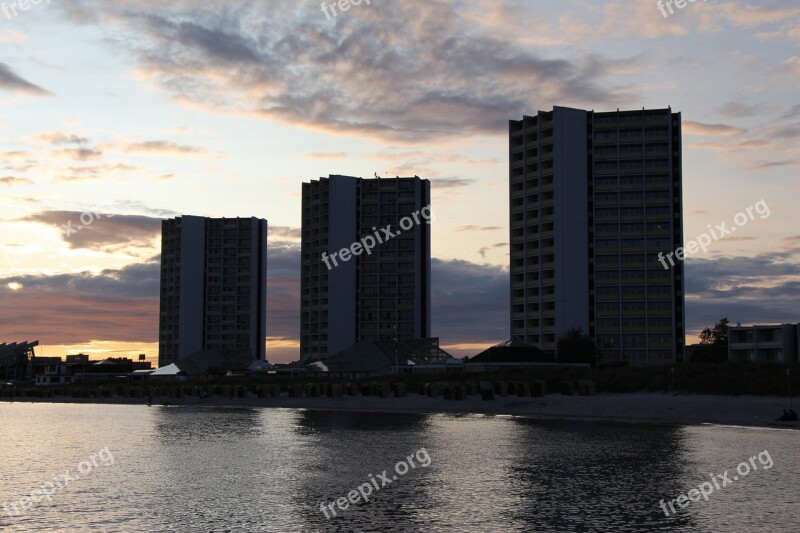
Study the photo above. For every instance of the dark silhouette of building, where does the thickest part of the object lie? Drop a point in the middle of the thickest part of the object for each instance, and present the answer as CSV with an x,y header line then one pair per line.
x,y
213,287
594,198
350,294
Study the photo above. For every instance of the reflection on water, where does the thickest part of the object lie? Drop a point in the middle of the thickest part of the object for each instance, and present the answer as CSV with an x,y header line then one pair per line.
x,y
237,469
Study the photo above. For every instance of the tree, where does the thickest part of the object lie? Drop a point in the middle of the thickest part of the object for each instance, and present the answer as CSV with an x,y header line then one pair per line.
x,y
575,347
714,344
718,335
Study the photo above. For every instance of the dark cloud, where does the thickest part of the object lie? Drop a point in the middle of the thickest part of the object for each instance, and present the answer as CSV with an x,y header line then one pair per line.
x,y
113,305
762,289
103,233
9,80
357,74
470,302
122,305
283,300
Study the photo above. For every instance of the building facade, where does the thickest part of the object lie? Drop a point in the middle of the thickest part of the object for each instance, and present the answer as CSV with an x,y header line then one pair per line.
x,y
376,296
213,286
594,198
779,343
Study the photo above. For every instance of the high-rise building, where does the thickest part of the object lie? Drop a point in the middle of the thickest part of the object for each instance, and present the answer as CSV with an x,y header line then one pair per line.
x,y
380,295
213,287
594,198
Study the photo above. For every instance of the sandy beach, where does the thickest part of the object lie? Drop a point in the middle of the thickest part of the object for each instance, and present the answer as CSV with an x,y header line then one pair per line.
x,y
656,408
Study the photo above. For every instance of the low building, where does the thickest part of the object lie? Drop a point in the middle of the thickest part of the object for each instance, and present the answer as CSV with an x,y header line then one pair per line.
x,y
377,358
15,360
514,353
205,364
78,369
778,343
54,372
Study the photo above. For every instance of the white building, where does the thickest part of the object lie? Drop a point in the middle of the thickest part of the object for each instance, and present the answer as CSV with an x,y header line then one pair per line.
x,y
777,343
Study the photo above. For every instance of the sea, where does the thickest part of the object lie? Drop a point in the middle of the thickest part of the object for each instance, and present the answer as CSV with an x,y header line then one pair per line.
x,y
83,467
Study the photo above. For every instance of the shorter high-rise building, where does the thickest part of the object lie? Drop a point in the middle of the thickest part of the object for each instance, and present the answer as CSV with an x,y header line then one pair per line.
x,y
382,294
213,287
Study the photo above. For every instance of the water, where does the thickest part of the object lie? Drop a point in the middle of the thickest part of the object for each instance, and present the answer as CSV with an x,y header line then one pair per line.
x,y
235,469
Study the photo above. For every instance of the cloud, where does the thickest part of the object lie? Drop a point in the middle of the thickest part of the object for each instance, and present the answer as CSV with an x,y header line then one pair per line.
x,y
739,109
327,155
119,305
13,82
13,37
163,148
787,132
749,15
478,228
702,129
95,172
285,231
79,154
101,234
760,289
11,180
469,302
283,301
762,165
441,77
451,183
122,304
15,155
484,249
58,138
794,112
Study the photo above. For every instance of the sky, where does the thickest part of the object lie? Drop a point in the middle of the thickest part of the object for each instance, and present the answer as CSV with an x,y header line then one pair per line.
x,y
115,115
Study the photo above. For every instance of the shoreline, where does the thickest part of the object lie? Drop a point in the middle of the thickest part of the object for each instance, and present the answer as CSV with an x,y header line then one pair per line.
x,y
637,408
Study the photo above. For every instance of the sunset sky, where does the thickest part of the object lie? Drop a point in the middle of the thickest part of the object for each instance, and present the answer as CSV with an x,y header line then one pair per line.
x,y
145,110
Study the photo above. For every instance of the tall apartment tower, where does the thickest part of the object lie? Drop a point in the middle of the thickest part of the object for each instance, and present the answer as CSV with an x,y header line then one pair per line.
x,y
213,286
594,197
382,295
